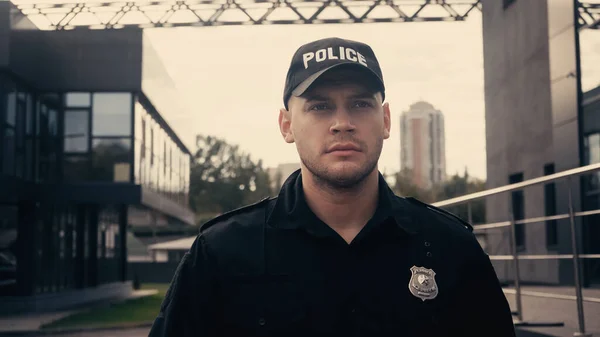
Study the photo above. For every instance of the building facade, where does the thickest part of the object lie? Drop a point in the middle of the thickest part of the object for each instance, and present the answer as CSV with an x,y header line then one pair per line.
x,y
539,121
84,153
422,144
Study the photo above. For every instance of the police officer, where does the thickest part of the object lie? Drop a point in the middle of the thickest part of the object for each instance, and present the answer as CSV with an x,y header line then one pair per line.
x,y
337,252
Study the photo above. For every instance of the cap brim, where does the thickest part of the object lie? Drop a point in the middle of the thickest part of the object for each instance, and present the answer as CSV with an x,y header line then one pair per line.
x,y
302,87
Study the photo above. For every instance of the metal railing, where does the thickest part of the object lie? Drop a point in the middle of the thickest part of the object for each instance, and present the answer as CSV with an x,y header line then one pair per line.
x,y
515,257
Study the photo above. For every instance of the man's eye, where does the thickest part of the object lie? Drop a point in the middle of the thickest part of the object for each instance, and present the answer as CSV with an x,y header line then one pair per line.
x,y
320,106
362,104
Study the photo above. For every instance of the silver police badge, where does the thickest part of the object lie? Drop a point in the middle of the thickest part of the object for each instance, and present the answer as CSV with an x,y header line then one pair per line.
x,y
422,283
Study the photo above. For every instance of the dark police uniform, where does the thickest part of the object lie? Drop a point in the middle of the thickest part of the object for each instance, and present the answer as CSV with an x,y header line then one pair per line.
x,y
275,269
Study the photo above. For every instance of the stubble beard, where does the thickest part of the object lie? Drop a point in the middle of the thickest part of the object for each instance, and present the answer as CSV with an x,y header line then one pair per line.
x,y
335,181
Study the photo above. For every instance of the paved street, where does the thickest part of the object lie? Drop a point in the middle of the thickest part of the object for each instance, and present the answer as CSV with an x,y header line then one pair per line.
x,y
537,310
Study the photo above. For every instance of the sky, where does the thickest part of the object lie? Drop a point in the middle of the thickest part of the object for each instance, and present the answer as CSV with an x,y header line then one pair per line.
x,y
230,80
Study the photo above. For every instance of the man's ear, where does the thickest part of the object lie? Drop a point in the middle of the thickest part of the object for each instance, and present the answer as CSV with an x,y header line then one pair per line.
x,y
285,125
387,122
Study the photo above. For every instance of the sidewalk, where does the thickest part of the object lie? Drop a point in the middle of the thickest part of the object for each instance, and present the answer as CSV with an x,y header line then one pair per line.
x,y
537,309
30,323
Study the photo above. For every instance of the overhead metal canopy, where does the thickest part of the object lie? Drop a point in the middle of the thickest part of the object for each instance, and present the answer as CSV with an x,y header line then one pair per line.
x,y
589,15
120,14
147,14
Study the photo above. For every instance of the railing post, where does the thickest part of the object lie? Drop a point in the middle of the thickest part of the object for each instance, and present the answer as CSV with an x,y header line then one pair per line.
x,y
575,248
470,212
514,253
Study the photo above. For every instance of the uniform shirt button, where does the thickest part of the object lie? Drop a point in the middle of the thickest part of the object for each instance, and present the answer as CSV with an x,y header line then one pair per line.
x,y
427,244
428,254
262,322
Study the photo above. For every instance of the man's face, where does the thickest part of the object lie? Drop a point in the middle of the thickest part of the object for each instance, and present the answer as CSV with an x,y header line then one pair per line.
x,y
338,127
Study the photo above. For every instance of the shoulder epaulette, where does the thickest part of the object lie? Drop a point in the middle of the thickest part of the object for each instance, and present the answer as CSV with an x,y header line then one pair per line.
x,y
228,214
442,212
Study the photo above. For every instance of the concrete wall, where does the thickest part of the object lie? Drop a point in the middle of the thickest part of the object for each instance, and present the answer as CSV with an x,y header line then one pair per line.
x,y
567,117
533,118
85,60
518,121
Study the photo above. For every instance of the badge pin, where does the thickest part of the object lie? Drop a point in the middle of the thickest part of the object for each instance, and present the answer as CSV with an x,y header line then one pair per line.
x,y
422,283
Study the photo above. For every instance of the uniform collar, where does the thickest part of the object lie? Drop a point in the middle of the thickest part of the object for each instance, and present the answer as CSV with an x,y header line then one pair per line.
x,y
291,210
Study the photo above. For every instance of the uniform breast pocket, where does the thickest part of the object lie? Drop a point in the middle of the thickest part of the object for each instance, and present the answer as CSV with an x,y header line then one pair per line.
x,y
263,305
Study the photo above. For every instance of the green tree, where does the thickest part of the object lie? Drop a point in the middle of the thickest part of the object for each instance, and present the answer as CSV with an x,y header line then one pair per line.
x,y
458,186
277,182
223,178
404,186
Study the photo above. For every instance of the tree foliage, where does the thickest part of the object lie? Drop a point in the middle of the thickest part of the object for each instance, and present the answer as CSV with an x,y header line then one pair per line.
x,y
455,186
223,178
458,186
404,186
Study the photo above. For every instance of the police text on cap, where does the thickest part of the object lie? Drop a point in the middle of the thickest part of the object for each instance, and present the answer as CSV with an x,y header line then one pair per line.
x,y
328,54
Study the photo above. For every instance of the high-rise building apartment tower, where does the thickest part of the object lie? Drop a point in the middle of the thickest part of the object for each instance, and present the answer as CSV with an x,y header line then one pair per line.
x,y
422,144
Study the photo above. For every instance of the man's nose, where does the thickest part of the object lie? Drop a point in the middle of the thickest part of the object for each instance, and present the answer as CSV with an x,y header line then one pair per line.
x,y
342,121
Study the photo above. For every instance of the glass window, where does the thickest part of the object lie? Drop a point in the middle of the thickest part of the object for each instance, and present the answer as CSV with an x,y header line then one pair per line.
x,y
78,99
137,160
111,114
158,145
143,144
144,165
30,116
29,159
76,168
592,156
550,208
168,157
507,3
9,151
11,108
52,122
41,118
593,148
180,172
152,146
76,130
8,248
21,123
176,160
139,120
111,159
518,209
186,180
41,141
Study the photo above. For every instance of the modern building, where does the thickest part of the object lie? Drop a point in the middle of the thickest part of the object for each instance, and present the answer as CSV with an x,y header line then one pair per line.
x,y
171,251
85,152
538,122
422,144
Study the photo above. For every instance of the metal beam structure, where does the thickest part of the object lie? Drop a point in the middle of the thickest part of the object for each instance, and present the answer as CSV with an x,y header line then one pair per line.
x,y
589,14
111,14
114,14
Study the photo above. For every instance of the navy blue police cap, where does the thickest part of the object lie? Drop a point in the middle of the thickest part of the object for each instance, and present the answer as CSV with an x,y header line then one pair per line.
x,y
315,58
